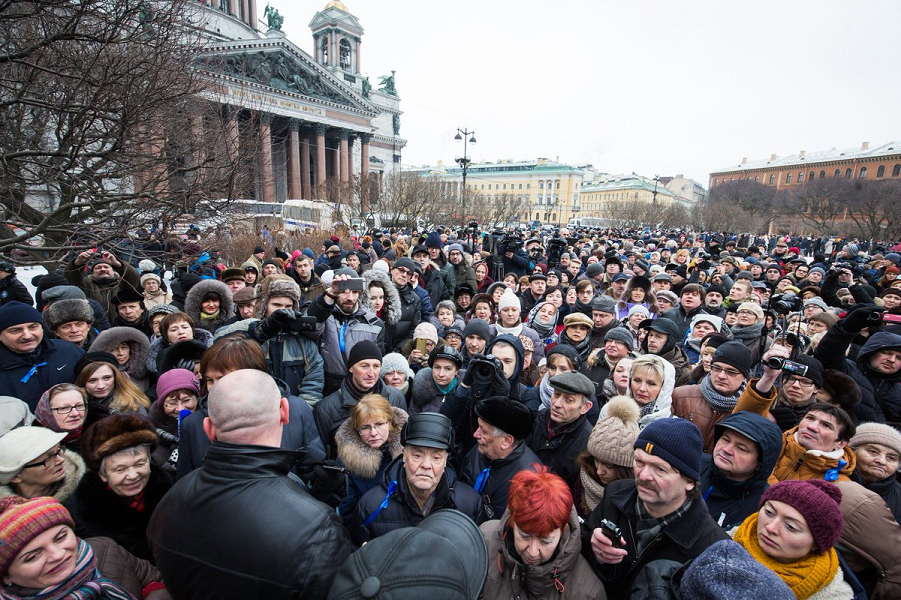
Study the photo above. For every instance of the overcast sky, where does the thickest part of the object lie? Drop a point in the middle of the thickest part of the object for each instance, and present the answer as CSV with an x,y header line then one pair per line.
x,y
653,87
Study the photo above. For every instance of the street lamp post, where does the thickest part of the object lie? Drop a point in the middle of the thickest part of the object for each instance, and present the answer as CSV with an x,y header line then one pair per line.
x,y
656,179
463,134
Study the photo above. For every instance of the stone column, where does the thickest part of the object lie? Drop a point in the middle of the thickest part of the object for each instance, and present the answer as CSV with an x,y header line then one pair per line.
x,y
320,160
305,186
245,11
357,69
345,156
266,176
233,7
333,57
252,14
294,159
336,159
365,138
234,134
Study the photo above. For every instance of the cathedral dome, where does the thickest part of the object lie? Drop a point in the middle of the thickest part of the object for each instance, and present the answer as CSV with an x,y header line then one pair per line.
x,y
336,4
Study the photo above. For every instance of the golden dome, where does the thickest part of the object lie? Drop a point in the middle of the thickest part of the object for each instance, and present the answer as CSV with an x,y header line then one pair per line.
x,y
336,4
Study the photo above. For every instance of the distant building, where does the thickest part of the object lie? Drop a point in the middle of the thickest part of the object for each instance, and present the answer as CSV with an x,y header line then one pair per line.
x,y
687,191
881,162
600,196
545,190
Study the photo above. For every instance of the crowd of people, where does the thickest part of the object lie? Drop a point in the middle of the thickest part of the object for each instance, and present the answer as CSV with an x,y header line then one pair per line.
x,y
539,414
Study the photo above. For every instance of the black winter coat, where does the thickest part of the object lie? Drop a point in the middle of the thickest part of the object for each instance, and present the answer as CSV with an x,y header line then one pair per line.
x,y
59,357
98,512
13,289
242,526
880,394
734,501
560,451
681,541
402,510
410,318
497,487
678,316
334,409
432,282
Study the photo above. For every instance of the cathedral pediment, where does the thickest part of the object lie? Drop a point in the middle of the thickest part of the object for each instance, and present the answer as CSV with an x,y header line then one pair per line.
x,y
279,66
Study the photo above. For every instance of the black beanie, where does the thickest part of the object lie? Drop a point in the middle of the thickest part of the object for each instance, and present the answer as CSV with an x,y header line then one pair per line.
x,y
477,327
814,369
735,354
718,289
365,350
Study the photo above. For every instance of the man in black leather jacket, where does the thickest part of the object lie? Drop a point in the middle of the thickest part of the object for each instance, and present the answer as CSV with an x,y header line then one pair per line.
x,y
242,526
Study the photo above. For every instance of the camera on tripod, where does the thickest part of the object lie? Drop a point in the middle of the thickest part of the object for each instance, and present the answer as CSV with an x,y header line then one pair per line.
x,y
555,247
511,243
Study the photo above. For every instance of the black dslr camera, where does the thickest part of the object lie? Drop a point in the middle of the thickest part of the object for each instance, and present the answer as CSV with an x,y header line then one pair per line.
x,y
484,368
786,303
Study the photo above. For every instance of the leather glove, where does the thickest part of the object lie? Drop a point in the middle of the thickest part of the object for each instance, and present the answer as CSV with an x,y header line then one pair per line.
x,y
329,483
861,316
500,386
468,373
276,323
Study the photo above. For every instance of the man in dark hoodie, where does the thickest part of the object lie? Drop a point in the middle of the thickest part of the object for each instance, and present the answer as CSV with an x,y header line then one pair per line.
x,y
691,303
507,350
735,475
663,340
877,368
476,336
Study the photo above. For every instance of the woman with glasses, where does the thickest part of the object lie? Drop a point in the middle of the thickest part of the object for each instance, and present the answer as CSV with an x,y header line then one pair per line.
x,y
176,390
33,462
367,442
63,408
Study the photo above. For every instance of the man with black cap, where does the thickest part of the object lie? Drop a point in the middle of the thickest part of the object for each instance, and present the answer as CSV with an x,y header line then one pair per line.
x,y
364,365
342,322
603,319
663,340
662,282
476,336
31,363
691,303
562,431
500,452
11,288
713,300
402,274
430,277
108,276
130,311
434,245
659,512
734,476
714,399
442,558
417,483
530,297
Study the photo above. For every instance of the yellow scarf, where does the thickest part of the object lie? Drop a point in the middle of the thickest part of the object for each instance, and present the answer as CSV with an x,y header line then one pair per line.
x,y
805,577
210,316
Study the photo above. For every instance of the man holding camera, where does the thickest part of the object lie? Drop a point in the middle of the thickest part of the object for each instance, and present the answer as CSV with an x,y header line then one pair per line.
x,y
108,277
659,514
877,367
341,322
514,257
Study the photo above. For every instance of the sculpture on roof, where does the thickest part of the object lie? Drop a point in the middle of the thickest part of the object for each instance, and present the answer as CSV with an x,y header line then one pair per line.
x,y
387,84
396,122
273,18
367,87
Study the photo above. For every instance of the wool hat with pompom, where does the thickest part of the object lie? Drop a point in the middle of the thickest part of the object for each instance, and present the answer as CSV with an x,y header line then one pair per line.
x,y
612,439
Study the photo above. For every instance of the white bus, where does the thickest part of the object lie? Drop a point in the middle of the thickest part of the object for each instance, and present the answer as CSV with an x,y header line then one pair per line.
x,y
304,215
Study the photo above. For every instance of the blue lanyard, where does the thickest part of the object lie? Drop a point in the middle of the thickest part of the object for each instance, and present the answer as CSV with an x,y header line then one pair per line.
x,y
341,333
392,487
707,493
32,371
482,479
832,474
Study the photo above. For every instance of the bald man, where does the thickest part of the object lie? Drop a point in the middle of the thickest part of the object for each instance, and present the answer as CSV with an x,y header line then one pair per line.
x,y
242,525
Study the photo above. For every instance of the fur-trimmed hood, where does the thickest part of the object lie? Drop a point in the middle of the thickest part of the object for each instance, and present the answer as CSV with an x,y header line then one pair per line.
x,y
75,469
196,294
361,459
106,341
392,296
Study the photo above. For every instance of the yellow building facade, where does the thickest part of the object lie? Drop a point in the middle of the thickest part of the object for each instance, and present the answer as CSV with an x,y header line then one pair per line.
x,y
598,197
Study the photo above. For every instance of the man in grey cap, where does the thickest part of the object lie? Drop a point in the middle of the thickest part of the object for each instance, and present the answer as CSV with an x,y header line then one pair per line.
x,y
416,483
662,282
814,306
562,431
603,318
463,273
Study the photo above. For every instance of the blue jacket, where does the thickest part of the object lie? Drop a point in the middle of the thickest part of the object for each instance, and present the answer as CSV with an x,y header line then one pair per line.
x,y
53,362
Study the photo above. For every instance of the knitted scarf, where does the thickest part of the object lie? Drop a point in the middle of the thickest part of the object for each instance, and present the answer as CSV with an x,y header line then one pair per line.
x,y
716,400
545,391
85,583
515,330
749,333
209,316
594,491
544,330
805,577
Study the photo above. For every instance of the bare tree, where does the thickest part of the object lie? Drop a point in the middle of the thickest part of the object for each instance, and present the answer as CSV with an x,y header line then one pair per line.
x,y
874,209
102,125
819,203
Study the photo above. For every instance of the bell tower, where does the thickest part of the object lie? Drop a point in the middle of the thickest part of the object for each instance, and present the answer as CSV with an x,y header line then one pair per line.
x,y
337,36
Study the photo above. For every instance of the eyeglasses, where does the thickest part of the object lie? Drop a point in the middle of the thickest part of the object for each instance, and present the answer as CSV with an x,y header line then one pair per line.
x,y
404,271
64,410
368,428
47,461
787,380
730,372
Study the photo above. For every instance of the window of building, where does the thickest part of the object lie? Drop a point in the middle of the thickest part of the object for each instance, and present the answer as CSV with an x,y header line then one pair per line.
x,y
863,173
716,182
505,186
812,176
880,172
772,179
896,170
528,186
788,178
757,178
848,173
838,173
540,185
558,184
520,186
800,177
822,174
344,53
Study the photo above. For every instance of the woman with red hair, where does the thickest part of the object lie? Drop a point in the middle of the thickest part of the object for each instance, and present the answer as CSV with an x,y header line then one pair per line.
x,y
534,550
